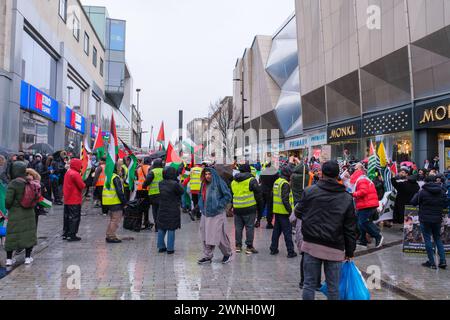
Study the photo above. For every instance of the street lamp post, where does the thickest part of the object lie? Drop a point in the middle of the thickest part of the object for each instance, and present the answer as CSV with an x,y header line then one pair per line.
x,y
138,91
243,111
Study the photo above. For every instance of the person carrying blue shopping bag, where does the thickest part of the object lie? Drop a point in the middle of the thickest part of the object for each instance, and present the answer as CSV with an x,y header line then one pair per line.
x,y
329,231
352,285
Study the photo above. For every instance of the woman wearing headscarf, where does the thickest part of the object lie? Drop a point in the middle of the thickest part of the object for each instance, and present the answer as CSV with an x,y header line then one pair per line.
x,y
213,200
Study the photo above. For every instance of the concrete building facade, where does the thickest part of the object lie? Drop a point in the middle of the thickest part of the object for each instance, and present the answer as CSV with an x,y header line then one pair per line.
x,y
377,70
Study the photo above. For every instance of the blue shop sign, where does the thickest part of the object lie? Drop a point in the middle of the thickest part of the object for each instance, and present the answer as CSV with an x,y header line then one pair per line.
x,y
301,143
34,100
75,121
318,139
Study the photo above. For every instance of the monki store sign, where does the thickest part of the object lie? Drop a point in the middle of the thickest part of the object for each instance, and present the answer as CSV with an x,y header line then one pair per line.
x,y
344,131
433,116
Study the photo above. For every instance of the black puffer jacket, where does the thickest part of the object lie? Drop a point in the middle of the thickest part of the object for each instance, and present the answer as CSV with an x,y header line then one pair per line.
x,y
406,189
328,216
299,179
169,215
254,187
432,200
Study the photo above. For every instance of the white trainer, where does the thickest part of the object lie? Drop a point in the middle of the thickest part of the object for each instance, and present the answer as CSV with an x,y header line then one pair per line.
x,y
10,262
28,261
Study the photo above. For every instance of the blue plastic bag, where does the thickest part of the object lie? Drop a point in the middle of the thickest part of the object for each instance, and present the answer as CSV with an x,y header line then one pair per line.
x,y
2,231
352,285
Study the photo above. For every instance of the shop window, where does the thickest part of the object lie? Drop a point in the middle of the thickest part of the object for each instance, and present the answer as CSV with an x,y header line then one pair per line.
x,y
35,130
398,146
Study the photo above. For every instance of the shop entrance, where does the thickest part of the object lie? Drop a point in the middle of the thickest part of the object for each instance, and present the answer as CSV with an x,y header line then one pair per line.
x,y
444,151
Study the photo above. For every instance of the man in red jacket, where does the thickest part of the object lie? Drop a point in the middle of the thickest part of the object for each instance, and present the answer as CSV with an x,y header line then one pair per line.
x,y
366,200
73,190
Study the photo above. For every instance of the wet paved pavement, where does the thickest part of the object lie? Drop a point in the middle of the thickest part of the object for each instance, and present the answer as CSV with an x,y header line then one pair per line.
x,y
134,269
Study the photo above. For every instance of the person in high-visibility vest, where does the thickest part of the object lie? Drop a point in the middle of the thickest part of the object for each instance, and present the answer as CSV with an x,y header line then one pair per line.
x,y
195,183
124,176
99,182
142,192
114,199
283,203
253,171
154,177
247,201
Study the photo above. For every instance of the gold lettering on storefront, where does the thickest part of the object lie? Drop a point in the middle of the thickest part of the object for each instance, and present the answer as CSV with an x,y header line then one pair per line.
x,y
438,114
343,132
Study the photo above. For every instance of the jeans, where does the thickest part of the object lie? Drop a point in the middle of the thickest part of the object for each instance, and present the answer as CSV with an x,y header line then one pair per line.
x,y
282,225
268,203
313,271
429,230
247,221
170,239
367,226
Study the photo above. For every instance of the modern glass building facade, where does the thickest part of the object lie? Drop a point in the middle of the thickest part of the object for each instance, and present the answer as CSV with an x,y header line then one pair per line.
x,y
380,68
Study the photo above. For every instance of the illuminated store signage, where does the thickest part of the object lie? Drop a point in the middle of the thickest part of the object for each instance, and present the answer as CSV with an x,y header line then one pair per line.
x,y
431,116
344,131
36,101
75,121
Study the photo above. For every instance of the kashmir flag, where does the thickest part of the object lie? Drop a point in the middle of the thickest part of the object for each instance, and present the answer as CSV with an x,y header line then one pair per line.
x,y
374,163
161,138
99,145
173,159
132,167
113,152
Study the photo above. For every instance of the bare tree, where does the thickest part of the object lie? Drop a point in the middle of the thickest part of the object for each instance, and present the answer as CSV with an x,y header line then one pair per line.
x,y
222,122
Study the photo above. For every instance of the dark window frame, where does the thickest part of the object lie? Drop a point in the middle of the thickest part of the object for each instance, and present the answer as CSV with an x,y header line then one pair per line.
x,y
86,47
76,27
94,56
102,66
64,18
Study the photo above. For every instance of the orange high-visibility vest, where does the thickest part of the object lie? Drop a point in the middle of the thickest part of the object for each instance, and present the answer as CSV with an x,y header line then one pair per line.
x,y
142,175
102,178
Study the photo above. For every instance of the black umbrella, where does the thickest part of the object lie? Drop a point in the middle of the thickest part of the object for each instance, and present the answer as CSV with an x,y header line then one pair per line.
x,y
6,152
43,148
158,155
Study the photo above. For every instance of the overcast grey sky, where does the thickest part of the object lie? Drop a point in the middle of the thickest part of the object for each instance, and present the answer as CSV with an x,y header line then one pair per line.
x,y
182,52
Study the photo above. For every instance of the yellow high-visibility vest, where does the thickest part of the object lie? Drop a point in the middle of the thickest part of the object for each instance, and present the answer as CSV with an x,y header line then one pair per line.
x,y
154,186
109,196
278,206
254,172
125,178
242,196
196,178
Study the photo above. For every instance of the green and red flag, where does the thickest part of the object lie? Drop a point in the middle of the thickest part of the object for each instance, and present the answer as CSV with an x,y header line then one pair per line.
x,y
132,167
161,138
86,162
172,158
113,152
99,145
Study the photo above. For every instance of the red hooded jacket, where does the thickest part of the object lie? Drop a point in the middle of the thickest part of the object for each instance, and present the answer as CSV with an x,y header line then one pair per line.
x,y
365,192
73,184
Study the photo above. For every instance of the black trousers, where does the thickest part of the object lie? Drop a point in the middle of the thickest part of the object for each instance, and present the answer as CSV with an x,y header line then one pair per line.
x,y
195,201
72,218
9,254
145,205
55,191
282,226
155,210
268,202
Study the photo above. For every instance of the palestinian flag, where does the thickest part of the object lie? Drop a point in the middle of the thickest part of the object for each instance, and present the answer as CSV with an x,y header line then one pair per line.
x,y
86,161
173,159
45,203
113,151
161,138
99,145
132,167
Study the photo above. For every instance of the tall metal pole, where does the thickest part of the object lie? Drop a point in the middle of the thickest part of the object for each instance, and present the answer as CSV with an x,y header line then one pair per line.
x,y
138,91
180,130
